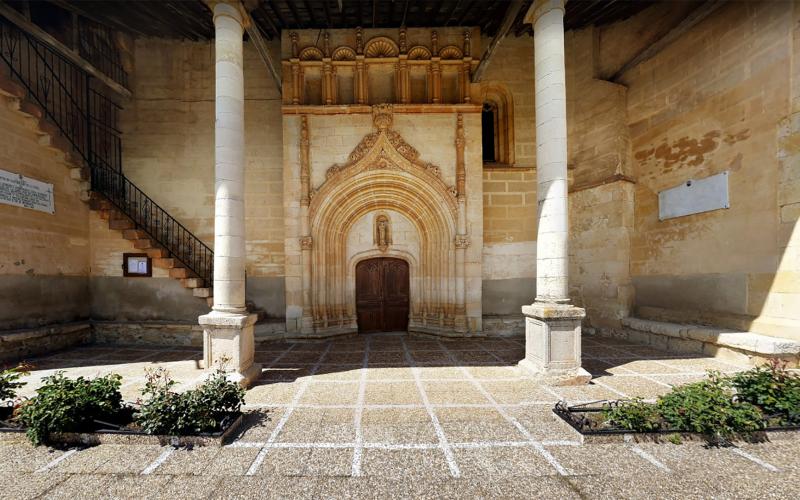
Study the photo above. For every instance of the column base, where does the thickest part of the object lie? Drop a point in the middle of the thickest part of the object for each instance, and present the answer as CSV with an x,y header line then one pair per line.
x,y
228,342
553,343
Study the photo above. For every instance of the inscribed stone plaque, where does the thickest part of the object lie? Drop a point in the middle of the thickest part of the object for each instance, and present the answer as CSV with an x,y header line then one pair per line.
x,y
694,197
21,191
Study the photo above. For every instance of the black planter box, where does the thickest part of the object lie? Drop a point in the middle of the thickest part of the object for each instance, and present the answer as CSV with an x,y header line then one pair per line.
x,y
578,418
111,435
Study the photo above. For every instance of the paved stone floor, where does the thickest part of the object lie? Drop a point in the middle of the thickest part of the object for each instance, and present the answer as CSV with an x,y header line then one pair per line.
x,y
397,416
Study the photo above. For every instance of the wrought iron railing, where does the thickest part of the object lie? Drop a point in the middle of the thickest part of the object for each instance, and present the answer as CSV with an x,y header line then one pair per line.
x,y
88,120
154,220
96,45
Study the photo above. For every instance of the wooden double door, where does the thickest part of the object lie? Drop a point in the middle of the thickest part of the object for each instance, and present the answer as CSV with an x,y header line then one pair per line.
x,y
382,295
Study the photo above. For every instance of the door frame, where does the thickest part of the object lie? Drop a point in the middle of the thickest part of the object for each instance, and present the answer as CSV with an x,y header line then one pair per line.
x,y
413,278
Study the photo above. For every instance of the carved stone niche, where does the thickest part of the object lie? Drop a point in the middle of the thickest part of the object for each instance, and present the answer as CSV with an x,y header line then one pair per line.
x,y
382,232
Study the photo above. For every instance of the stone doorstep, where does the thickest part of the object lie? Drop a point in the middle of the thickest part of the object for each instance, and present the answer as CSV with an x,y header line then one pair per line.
x,y
749,342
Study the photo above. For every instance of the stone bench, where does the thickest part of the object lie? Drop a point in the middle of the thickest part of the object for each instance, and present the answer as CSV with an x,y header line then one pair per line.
x,y
16,345
737,346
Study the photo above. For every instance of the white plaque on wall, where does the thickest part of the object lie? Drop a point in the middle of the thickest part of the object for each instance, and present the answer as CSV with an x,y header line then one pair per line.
x,y
21,191
694,197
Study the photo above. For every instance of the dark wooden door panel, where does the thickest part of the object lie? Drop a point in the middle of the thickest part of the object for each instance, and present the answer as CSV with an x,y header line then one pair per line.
x,y
382,295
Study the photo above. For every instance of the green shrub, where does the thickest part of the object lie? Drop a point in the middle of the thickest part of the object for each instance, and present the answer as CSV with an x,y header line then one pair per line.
x,y
633,415
9,381
196,411
709,407
773,389
70,405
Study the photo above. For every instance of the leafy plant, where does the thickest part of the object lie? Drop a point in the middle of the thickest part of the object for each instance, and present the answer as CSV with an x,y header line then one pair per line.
x,y
165,411
711,408
70,405
9,381
634,415
773,389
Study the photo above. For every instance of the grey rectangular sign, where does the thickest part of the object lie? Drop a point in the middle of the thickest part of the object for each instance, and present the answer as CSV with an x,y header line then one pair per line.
x,y
21,191
694,197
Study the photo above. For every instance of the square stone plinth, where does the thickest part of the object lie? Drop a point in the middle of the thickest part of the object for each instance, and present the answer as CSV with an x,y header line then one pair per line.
x,y
228,341
553,343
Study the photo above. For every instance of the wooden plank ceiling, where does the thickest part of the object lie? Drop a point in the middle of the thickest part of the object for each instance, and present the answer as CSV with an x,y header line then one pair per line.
x,y
191,19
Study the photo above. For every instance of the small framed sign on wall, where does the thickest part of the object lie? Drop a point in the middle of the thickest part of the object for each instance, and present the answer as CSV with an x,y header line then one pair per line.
x,y
137,265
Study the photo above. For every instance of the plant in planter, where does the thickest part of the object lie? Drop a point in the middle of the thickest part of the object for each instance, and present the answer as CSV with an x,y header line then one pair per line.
x,y
70,405
772,388
201,410
710,407
9,381
633,415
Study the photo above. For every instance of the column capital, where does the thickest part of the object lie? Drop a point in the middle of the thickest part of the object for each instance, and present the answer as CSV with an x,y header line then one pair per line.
x,y
229,8
541,7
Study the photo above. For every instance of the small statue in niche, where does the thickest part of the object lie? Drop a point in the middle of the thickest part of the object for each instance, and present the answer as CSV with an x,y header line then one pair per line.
x,y
383,232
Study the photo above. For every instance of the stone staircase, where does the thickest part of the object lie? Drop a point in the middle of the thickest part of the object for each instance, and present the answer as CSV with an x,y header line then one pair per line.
x,y
15,96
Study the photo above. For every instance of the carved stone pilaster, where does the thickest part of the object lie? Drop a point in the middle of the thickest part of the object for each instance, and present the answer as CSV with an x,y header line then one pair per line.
x,y
359,41
305,174
403,42
461,172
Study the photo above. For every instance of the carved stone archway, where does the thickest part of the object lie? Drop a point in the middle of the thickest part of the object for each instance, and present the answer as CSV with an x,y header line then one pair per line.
x,y
384,174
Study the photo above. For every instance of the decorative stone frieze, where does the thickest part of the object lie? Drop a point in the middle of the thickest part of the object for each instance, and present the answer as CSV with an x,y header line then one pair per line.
x,y
316,78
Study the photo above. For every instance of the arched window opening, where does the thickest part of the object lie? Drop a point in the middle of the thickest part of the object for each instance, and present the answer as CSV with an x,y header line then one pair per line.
x,y
488,134
497,125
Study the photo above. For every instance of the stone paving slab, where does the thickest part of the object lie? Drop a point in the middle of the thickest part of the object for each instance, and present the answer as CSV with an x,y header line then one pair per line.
x,y
400,417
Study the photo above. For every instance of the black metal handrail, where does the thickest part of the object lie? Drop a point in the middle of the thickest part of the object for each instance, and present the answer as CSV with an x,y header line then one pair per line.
x,y
88,120
154,220
96,45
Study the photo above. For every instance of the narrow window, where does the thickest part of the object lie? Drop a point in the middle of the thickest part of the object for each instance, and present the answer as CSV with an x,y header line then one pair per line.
x,y
488,132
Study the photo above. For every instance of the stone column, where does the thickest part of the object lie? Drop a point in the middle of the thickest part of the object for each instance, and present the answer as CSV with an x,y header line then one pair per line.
x,y
552,325
228,328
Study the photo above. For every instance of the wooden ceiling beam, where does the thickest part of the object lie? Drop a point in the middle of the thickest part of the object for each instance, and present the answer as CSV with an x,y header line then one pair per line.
x,y
37,32
694,17
254,32
513,10
297,20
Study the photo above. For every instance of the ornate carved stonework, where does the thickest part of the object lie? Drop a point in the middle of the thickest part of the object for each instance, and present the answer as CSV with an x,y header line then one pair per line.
x,y
391,142
306,243
447,68
462,241
383,232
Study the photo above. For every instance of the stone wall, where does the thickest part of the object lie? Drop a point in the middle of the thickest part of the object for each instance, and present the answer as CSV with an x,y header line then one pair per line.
x,y
717,100
44,258
168,151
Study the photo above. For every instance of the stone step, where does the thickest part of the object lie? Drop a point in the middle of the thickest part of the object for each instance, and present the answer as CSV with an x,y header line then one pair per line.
x,y
180,272
31,109
201,292
157,253
144,244
744,347
10,88
134,234
120,224
192,283
80,174
167,263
